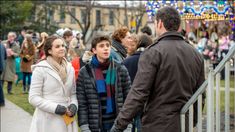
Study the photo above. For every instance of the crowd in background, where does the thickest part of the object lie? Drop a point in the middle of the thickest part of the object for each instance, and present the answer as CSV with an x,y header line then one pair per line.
x,y
213,41
27,49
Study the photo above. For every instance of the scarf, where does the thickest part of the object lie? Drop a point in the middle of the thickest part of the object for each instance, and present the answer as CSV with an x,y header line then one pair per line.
x,y
105,85
120,48
60,68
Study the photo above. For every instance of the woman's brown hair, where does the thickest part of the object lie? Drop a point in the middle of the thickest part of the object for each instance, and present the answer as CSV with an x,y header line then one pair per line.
x,y
29,41
48,43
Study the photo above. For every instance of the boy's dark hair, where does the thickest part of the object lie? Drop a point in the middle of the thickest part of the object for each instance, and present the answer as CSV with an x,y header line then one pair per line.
x,y
67,34
98,39
170,18
147,30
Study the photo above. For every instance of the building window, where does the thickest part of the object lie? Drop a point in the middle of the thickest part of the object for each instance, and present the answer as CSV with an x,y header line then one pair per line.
x,y
111,18
83,16
73,12
98,17
62,15
51,15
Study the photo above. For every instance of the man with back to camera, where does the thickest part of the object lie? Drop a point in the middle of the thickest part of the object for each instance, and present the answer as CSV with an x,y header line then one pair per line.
x,y
169,72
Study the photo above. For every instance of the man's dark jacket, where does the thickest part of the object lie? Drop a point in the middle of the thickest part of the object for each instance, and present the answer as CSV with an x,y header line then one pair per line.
x,y
169,72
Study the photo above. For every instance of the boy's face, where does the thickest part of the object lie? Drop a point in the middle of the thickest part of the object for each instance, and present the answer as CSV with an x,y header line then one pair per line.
x,y
102,50
68,39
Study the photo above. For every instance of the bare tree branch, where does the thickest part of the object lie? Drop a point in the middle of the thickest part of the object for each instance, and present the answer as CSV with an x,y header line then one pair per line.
x,y
89,4
68,11
118,20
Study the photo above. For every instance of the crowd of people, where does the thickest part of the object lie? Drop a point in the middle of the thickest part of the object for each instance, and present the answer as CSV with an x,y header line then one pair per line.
x,y
213,41
122,78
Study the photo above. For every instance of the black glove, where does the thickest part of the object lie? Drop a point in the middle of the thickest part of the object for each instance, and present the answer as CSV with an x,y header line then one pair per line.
x,y
60,110
115,129
25,59
73,109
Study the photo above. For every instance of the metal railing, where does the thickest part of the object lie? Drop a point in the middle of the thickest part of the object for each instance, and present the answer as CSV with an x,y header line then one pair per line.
x,y
208,86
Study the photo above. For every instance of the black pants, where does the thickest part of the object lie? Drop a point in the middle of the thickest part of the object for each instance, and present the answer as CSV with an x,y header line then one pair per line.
x,y
9,86
2,101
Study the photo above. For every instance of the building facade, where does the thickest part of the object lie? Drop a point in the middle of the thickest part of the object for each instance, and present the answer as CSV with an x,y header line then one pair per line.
x,y
105,18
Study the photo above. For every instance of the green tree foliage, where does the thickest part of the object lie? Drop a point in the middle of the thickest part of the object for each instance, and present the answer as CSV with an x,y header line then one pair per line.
x,y
13,15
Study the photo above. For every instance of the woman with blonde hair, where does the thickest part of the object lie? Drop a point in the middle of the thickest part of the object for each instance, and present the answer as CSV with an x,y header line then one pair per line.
x,y
76,49
132,45
40,47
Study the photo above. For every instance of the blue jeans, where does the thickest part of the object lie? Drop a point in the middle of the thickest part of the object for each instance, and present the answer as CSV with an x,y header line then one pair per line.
x,y
26,77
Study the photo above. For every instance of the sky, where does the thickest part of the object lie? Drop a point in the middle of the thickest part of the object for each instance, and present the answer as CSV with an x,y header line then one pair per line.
x,y
121,3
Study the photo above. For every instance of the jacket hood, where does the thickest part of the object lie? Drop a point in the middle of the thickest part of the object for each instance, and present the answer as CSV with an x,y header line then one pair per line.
x,y
44,63
87,56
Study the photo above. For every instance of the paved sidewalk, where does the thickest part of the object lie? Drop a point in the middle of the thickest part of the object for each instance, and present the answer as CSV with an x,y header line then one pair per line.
x,y
13,118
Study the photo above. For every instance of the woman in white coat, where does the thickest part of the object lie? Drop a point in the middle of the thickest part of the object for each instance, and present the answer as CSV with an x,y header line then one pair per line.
x,y
52,91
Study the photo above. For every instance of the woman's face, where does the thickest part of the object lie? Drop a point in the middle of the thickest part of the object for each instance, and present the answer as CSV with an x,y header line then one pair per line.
x,y
132,46
126,40
58,49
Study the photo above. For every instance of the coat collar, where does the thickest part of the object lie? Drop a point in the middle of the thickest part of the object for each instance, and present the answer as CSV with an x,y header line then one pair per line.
x,y
52,72
169,34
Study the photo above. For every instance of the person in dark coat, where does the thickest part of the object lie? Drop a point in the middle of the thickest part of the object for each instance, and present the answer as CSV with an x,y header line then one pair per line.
x,y
3,57
131,64
169,72
102,87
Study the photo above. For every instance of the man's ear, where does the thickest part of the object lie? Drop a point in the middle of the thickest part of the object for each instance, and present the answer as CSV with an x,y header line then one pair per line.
x,y
93,50
160,23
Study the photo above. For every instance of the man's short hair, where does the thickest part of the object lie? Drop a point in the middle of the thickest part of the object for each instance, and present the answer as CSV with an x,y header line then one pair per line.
x,y
147,30
170,18
67,33
98,39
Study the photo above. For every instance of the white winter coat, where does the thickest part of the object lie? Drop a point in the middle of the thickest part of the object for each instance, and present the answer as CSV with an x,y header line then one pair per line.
x,y
46,92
